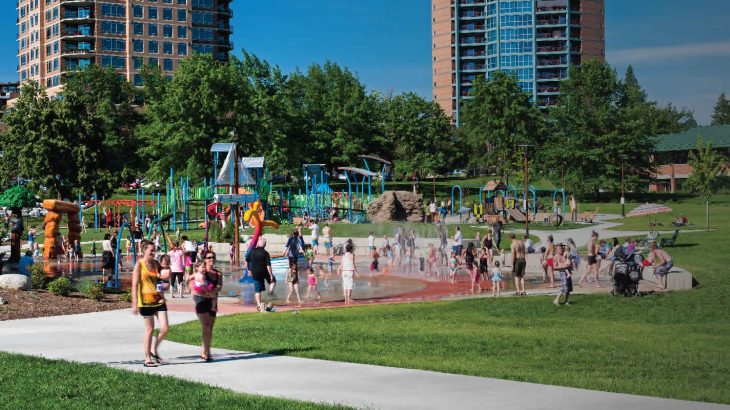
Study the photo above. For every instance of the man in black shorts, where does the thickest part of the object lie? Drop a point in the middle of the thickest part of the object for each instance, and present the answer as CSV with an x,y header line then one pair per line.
x,y
259,264
518,264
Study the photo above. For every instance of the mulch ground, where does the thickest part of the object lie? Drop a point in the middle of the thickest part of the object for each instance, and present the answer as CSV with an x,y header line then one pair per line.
x,y
26,304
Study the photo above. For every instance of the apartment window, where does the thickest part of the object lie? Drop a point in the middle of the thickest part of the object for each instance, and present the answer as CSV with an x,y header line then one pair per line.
x,y
138,29
138,46
167,64
137,11
182,49
182,2
112,10
152,30
138,61
182,32
48,50
167,31
111,27
111,61
182,15
153,62
167,14
55,64
137,80
55,47
112,44
153,47
152,13
515,61
167,1
167,48
515,20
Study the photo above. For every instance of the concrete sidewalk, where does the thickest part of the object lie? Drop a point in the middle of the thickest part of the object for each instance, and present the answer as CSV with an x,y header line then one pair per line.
x,y
115,339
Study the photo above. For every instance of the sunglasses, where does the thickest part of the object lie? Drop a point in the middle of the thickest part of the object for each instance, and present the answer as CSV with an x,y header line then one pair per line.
x,y
210,257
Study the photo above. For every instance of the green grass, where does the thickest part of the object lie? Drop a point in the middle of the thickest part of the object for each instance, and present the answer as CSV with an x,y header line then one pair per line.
x,y
671,345
31,382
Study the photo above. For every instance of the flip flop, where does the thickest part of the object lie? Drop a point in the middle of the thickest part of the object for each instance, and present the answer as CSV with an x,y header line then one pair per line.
x,y
157,358
150,364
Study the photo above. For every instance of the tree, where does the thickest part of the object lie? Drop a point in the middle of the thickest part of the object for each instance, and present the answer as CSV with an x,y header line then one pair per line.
x,y
721,114
707,167
420,134
585,144
496,120
98,112
16,198
35,144
204,103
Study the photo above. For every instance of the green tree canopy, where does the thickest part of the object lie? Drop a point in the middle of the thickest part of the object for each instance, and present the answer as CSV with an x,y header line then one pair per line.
x,y
18,197
707,167
721,113
495,121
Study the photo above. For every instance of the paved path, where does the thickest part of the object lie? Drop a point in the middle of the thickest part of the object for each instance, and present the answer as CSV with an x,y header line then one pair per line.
x,y
114,338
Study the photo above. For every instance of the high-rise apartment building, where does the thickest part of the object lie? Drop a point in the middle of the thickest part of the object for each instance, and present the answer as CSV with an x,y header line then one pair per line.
x,y
58,36
536,40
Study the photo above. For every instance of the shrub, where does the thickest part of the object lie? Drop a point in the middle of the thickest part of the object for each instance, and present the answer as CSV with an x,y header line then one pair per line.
x,y
126,296
60,286
91,289
38,278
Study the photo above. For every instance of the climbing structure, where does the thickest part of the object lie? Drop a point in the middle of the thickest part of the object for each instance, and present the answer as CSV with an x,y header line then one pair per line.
x,y
53,219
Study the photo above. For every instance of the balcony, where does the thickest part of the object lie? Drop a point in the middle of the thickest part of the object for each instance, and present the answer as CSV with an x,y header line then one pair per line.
x,y
547,103
472,27
548,62
552,9
560,21
472,3
548,89
552,49
72,51
473,67
77,2
471,14
551,76
477,54
548,35
77,32
77,15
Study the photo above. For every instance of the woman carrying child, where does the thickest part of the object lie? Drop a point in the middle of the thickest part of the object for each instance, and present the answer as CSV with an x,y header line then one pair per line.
x,y
205,297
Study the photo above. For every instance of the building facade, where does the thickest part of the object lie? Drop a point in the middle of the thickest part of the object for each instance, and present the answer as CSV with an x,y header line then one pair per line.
x,y
59,36
536,40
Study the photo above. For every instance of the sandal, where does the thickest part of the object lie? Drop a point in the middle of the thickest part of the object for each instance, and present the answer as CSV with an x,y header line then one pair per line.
x,y
206,358
157,358
150,364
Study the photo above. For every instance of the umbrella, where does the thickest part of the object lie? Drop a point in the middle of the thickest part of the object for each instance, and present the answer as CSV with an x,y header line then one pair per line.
x,y
649,209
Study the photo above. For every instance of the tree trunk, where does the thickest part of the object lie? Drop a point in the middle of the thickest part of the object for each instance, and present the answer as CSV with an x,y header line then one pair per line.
x,y
707,214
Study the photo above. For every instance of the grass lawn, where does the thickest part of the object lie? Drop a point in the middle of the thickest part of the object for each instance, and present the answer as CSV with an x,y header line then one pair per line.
x,y
31,382
672,345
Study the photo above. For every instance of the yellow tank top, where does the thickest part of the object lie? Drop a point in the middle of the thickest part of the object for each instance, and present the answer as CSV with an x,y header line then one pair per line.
x,y
147,295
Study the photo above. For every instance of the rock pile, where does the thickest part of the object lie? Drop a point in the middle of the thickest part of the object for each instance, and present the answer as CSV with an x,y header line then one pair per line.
x,y
396,206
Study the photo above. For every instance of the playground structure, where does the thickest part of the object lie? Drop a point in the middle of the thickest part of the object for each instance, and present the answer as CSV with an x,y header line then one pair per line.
x,y
55,210
255,217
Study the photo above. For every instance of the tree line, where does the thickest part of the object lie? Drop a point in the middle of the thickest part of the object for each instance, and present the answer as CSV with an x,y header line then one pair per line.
x,y
103,131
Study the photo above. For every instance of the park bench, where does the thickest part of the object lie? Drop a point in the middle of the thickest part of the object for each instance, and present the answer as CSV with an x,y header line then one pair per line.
x,y
668,242
588,216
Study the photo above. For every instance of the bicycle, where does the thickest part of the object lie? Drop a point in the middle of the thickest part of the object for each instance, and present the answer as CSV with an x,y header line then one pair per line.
x,y
651,236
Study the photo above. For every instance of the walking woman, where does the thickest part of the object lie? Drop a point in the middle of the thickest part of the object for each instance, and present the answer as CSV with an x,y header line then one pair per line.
x,y
205,298
149,302
471,267
348,272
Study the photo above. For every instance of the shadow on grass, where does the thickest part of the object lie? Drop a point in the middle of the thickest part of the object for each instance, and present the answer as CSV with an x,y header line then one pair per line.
x,y
288,351
682,245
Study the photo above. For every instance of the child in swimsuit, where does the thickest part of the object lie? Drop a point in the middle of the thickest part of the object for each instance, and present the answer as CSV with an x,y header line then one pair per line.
x,y
484,263
496,279
453,266
312,283
199,283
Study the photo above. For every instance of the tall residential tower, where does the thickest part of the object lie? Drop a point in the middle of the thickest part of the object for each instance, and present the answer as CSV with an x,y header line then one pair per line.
x,y
537,40
58,36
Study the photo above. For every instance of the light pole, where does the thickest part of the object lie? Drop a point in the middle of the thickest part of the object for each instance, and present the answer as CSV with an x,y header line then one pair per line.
x,y
623,202
526,177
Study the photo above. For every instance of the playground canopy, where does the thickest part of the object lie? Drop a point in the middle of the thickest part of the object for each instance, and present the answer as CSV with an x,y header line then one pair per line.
x,y
225,177
359,171
494,185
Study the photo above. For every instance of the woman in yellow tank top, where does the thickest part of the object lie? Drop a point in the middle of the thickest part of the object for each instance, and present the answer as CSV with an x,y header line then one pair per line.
x,y
147,301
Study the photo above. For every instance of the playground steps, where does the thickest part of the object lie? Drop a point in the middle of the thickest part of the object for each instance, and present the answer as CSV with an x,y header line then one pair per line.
x,y
516,215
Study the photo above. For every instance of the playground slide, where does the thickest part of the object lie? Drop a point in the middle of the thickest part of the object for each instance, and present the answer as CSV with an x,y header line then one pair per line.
x,y
516,215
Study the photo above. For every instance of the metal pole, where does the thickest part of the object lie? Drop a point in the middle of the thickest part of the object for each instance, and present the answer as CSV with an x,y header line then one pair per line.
x,y
235,209
623,202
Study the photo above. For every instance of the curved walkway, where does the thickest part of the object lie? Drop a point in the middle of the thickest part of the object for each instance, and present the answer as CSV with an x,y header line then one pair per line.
x,y
114,339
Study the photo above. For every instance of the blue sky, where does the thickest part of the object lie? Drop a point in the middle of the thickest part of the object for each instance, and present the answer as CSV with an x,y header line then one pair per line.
x,y
680,50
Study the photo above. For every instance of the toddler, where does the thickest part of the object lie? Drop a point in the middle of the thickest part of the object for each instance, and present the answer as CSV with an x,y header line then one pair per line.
x,y
453,266
374,263
188,264
163,284
312,282
199,283
309,255
496,279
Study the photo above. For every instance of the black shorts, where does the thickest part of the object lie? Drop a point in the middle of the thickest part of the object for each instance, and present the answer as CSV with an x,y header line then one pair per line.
x,y
519,267
203,305
591,260
259,285
146,311
107,260
176,276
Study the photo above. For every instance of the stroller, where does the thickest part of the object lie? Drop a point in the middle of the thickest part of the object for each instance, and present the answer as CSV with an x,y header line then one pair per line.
x,y
627,273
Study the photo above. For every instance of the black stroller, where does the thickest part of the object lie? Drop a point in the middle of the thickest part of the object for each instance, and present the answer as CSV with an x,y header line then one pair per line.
x,y
627,273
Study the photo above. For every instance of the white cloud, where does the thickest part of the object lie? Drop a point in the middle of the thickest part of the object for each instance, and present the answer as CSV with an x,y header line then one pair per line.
x,y
646,54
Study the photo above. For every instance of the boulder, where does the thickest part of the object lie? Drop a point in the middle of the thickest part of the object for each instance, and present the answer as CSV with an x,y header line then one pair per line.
x,y
14,282
396,206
